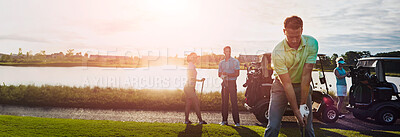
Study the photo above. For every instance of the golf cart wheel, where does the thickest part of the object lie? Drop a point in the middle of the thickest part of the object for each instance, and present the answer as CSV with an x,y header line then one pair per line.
x,y
262,115
359,116
330,114
386,116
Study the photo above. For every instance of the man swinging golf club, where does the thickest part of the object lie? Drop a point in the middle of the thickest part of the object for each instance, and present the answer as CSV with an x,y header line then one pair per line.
x,y
293,59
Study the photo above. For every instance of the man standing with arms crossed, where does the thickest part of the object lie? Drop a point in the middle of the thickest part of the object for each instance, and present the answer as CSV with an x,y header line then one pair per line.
x,y
228,70
293,60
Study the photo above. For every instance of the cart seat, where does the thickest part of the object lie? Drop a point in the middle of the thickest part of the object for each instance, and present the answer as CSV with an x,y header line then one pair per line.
x,y
394,88
383,93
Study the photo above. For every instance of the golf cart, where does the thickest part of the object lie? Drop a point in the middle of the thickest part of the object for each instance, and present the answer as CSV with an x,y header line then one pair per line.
x,y
258,85
371,95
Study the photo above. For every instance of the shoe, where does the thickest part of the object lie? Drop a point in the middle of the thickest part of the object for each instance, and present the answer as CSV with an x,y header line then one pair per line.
x,y
202,122
188,122
342,116
237,125
223,123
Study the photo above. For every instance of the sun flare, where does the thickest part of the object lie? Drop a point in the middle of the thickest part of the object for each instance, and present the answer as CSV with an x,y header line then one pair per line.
x,y
169,7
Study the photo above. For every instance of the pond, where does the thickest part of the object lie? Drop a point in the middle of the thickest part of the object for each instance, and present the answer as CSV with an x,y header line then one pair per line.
x,y
162,77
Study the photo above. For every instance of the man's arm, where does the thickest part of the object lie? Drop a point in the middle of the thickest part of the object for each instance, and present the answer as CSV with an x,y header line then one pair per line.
x,y
234,74
305,82
219,70
237,68
202,79
291,97
312,53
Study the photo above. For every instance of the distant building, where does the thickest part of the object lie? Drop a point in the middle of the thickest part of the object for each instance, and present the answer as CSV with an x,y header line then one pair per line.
x,y
15,56
2,55
112,59
248,58
218,58
56,55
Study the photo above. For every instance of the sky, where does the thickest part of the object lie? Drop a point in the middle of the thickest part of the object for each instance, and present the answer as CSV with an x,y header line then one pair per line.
x,y
178,27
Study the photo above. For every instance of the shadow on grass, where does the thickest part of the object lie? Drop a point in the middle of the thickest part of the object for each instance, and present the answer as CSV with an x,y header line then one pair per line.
x,y
335,130
362,125
291,129
192,131
346,133
245,132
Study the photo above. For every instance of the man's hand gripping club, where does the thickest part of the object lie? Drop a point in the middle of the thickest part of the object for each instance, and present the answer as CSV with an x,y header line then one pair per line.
x,y
304,111
291,97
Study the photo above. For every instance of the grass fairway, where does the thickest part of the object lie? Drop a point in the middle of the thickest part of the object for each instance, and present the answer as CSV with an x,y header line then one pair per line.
x,y
33,126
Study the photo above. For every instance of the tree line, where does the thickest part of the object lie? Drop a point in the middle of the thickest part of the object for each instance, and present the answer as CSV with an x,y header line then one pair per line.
x,y
329,62
351,57
41,56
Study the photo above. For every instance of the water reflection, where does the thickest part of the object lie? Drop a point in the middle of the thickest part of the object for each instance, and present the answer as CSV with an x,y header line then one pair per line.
x,y
162,77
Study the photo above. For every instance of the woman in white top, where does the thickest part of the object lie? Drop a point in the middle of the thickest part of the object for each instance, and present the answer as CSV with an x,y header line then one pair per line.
x,y
189,89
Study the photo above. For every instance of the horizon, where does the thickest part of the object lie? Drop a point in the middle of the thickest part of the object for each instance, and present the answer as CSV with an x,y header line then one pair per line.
x,y
176,27
150,53
129,54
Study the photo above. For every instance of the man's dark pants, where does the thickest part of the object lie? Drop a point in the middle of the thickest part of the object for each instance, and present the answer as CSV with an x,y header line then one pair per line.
x,y
229,89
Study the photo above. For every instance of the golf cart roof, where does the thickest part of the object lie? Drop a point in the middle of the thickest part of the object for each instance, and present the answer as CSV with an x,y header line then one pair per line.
x,y
371,61
380,58
321,56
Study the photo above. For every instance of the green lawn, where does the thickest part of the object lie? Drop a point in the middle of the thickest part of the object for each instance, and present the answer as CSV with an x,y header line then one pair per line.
x,y
33,126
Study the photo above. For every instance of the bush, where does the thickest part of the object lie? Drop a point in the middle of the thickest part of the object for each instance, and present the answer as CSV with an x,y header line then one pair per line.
x,y
106,98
